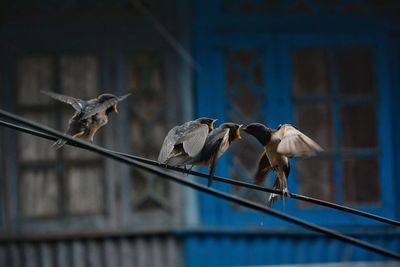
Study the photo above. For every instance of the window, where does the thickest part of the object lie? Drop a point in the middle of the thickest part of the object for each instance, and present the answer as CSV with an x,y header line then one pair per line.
x,y
333,89
335,99
64,182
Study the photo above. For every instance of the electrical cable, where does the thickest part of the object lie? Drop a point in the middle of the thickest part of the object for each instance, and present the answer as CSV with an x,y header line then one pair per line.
x,y
222,179
186,182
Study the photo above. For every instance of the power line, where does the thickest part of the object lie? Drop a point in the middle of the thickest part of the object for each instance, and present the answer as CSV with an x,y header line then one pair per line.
x,y
224,180
223,195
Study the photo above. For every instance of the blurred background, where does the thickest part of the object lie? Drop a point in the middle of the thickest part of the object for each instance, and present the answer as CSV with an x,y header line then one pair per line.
x,y
329,67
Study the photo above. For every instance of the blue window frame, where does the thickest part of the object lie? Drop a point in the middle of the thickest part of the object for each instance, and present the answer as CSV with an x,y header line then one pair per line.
x,y
271,57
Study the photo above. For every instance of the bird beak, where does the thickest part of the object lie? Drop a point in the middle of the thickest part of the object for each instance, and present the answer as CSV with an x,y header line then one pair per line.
x,y
238,136
115,108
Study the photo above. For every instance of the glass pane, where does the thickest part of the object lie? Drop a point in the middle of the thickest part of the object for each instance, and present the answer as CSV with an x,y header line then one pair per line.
x,y
148,129
358,126
85,190
356,71
316,122
80,76
39,193
74,153
361,181
34,74
245,82
32,148
245,91
149,193
316,182
311,72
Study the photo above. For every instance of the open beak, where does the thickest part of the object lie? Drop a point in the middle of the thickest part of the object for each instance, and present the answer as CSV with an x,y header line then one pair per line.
x,y
115,108
238,136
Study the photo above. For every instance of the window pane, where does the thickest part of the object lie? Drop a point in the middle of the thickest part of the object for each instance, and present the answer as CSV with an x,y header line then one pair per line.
x,y
316,121
34,74
316,182
361,181
85,190
39,193
148,129
33,148
245,83
245,91
358,126
80,76
356,71
311,72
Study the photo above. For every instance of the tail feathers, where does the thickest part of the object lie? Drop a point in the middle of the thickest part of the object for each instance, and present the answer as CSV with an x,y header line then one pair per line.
x,y
278,185
59,143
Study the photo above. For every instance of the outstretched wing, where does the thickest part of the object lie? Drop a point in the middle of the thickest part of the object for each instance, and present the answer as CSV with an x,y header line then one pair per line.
x,y
76,103
263,168
295,143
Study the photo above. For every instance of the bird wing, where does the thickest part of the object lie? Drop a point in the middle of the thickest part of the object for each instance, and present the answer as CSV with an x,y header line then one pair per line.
x,y
263,168
96,107
220,143
76,103
192,135
194,140
295,143
212,146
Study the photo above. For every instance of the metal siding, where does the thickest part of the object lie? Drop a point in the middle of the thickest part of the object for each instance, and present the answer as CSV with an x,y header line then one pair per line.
x,y
86,252
230,250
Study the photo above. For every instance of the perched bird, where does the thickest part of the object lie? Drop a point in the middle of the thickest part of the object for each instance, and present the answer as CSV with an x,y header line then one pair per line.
x,y
184,141
279,144
216,144
90,115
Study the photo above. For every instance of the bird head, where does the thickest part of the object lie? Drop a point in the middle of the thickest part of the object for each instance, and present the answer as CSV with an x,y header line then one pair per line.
x,y
234,130
209,122
259,131
106,97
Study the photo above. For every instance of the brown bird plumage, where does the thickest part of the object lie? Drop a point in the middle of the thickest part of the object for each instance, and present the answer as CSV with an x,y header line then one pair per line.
x,y
90,115
279,144
216,144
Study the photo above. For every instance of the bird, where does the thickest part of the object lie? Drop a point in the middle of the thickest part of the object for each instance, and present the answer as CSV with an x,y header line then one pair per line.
x,y
90,115
279,144
184,141
217,142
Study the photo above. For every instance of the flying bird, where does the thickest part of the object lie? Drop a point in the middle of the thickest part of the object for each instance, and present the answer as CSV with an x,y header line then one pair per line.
x,y
184,141
90,115
279,144
216,144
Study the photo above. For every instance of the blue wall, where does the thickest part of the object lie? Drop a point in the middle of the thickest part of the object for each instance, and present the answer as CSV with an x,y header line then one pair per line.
x,y
231,237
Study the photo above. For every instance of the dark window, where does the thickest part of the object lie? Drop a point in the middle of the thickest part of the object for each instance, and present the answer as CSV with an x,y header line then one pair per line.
x,y
335,103
63,182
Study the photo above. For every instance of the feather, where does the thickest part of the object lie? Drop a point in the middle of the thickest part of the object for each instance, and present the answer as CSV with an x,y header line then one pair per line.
x,y
295,143
76,103
263,169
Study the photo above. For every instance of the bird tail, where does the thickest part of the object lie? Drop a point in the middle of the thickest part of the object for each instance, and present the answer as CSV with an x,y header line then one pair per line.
x,y
59,143
280,183
273,198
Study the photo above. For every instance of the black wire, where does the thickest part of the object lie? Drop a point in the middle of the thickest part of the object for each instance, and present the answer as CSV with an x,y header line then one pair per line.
x,y
223,195
224,180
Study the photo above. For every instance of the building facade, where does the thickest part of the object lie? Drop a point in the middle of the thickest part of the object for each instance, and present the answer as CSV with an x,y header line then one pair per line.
x,y
329,67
